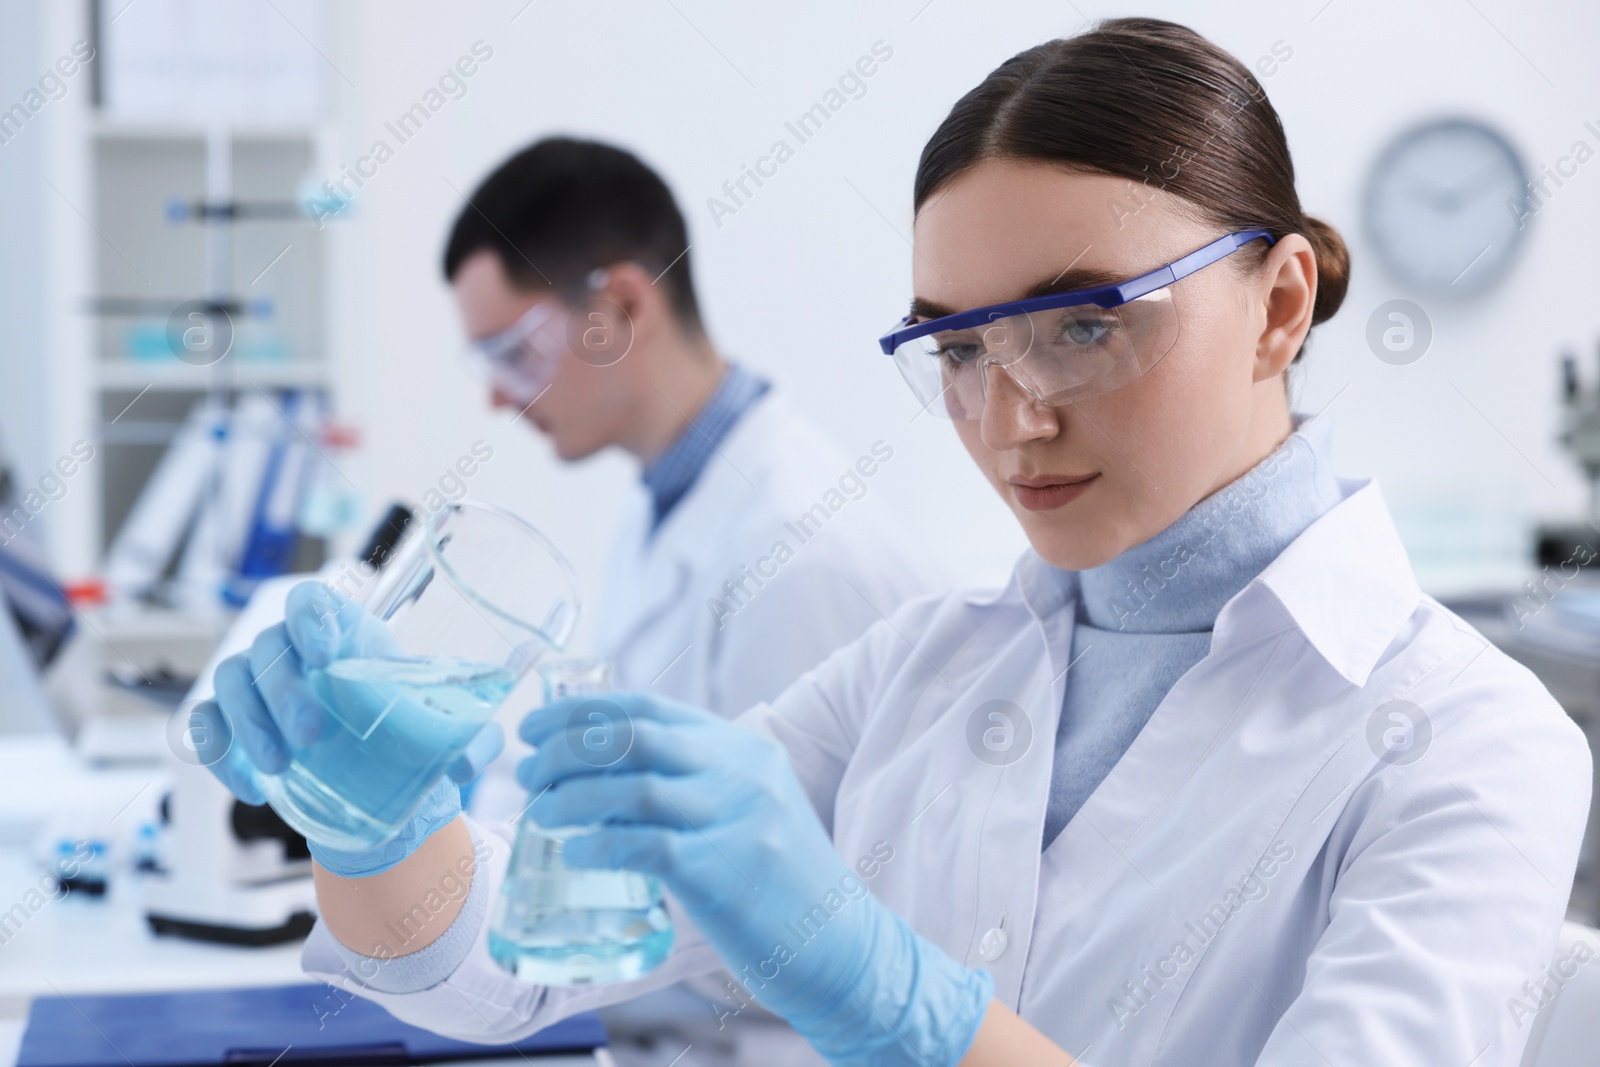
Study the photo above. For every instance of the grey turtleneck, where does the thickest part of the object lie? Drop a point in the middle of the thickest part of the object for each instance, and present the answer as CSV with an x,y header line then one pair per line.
x,y
1145,617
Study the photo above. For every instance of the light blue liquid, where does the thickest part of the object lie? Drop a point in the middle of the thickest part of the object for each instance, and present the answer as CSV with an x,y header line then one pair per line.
x,y
555,925
394,726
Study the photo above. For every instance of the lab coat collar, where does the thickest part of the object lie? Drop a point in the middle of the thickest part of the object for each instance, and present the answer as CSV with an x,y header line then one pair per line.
x,y
1345,584
681,535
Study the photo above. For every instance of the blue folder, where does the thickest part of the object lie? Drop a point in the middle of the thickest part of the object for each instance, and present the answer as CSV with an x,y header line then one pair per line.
x,y
286,1025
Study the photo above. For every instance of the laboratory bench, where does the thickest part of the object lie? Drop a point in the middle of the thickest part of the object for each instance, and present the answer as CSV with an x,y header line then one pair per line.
x,y
83,944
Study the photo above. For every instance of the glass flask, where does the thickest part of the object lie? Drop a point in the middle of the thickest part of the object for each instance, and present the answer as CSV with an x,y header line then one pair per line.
x,y
555,925
465,607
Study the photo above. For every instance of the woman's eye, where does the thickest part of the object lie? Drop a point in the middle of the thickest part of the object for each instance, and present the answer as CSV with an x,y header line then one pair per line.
x,y
1082,330
958,354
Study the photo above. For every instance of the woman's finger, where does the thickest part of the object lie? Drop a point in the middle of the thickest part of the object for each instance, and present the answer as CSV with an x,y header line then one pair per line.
x,y
486,744
280,679
250,724
680,803
217,745
698,878
324,625
317,619
597,741
648,849
633,707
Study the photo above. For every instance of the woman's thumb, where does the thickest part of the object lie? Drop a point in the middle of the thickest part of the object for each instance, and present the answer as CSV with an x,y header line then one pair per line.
x,y
317,618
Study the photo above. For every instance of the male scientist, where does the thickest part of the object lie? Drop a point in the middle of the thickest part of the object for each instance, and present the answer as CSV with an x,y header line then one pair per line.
x,y
753,546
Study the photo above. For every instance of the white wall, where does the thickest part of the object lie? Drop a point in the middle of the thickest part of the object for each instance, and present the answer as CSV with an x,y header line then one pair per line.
x,y
803,278
44,254
23,424
800,282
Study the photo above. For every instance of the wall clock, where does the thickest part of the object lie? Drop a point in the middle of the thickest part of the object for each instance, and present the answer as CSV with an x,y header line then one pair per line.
x,y
1446,206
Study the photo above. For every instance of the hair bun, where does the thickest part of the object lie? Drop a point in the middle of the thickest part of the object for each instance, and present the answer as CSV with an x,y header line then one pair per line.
x,y
1333,268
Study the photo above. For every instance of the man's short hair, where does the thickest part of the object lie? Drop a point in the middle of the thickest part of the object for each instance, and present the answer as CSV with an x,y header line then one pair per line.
x,y
561,207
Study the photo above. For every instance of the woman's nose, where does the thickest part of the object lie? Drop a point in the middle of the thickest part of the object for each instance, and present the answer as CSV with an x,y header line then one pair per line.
x,y
1011,416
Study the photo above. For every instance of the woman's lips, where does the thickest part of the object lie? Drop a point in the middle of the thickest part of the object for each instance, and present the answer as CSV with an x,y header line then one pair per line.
x,y
1047,496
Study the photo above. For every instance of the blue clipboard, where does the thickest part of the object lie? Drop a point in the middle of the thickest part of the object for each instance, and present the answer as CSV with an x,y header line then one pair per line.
x,y
298,1024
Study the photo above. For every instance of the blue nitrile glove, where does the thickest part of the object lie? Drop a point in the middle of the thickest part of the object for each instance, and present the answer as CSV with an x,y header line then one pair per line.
x,y
716,812
264,703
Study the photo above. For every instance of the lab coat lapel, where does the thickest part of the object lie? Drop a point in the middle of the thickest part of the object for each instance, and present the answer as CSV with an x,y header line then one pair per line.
x,y
1185,727
1183,854
648,576
1168,836
1253,637
963,797
1230,775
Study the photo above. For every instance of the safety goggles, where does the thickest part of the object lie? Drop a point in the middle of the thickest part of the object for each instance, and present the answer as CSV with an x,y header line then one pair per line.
x,y
1059,348
520,360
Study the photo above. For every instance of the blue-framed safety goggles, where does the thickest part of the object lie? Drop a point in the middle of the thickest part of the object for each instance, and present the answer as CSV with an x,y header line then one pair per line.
x,y
1060,348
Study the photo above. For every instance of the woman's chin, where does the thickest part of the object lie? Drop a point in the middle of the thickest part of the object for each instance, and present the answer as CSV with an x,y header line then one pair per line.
x,y
1072,547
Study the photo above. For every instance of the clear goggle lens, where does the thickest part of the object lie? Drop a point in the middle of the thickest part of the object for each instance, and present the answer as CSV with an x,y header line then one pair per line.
x,y
1058,356
520,361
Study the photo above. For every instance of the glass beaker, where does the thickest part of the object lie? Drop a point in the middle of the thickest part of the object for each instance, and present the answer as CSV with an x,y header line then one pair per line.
x,y
555,925
466,605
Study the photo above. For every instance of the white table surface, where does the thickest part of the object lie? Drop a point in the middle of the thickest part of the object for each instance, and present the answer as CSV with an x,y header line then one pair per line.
x,y
83,944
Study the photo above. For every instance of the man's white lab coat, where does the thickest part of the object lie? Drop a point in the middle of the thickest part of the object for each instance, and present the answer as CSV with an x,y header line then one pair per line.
x,y
781,552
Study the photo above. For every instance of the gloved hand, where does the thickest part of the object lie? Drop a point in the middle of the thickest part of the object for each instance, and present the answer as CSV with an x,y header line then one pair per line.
x,y
264,706
716,812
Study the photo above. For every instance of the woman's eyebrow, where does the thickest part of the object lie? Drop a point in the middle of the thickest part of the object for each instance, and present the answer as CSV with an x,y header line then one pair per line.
x,y
923,310
1069,280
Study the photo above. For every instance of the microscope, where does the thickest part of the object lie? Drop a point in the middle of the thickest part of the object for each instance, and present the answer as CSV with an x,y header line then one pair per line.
x,y
231,872
1579,542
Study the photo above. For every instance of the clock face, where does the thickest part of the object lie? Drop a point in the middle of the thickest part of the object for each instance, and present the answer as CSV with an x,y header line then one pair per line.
x,y
1445,206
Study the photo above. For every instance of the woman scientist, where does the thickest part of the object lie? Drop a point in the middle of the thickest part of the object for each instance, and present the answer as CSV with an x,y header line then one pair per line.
x,y
1210,781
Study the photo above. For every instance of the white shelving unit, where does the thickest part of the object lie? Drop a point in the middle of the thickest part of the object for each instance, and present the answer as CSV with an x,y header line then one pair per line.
x,y
87,220
85,190
141,388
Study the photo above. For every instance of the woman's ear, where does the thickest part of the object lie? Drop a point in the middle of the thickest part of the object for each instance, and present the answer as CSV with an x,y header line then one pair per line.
x,y
1288,293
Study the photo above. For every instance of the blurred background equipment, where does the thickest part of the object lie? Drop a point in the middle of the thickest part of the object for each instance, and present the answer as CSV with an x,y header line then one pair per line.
x,y
1576,544
231,872
230,487
24,708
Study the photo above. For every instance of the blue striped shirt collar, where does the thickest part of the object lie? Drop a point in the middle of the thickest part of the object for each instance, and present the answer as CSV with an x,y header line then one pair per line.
x,y
671,475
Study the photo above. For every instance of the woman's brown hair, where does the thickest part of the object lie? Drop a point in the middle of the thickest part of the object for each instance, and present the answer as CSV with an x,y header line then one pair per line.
x,y
1152,102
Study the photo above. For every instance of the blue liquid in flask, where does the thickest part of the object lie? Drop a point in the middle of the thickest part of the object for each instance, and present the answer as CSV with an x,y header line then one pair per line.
x,y
560,925
555,925
396,725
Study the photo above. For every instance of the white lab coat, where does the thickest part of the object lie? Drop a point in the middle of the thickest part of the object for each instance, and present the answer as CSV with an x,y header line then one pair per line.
x,y
1251,884
667,618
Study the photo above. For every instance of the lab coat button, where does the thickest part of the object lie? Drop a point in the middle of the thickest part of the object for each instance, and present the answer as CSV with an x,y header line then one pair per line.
x,y
992,944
